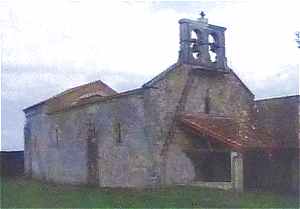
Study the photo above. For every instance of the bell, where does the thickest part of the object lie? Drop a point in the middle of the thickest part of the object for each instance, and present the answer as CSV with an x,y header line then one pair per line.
x,y
195,48
213,47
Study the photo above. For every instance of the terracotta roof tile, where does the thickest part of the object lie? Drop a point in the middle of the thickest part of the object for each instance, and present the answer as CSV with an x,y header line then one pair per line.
x,y
223,129
71,96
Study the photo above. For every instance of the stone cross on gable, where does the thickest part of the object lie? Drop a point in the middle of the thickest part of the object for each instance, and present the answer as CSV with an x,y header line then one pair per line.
x,y
202,18
202,14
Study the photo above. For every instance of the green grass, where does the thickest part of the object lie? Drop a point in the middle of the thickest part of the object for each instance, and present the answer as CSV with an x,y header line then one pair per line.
x,y
26,193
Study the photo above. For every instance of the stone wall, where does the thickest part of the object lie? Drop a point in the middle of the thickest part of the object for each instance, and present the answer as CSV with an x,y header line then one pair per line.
x,y
124,154
57,145
160,106
54,148
132,139
279,118
184,89
222,94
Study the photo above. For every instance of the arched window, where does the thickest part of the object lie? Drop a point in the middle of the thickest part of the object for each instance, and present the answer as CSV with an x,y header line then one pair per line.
x,y
195,43
212,47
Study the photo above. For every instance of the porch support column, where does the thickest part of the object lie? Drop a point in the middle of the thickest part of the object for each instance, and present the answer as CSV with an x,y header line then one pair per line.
x,y
237,172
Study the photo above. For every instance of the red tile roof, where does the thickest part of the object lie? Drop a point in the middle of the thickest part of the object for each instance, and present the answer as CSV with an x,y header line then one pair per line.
x,y
72,96
94,98
223,129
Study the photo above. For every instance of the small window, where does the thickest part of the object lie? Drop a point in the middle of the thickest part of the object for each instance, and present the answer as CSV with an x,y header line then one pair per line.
x,y
207,102
91,132
117,133
57,136
35,143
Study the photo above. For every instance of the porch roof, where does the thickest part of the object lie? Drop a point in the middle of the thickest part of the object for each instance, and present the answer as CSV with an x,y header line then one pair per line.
x,y
223,129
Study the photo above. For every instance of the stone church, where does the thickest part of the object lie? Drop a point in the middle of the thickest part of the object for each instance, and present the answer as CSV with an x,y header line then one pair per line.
x,y
196,124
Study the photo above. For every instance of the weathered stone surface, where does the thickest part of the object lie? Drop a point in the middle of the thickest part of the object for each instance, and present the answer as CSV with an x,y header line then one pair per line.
x,y
209,41
132,139
58,142
279,118
179,168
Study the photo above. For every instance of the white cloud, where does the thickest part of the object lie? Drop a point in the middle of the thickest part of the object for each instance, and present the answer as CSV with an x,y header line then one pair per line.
x,y
49,46
114,35
260,36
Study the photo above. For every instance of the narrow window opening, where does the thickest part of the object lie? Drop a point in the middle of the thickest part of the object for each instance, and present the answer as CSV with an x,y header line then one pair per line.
x,y
118,133
56,136
92,153
91,130
35,143
207,102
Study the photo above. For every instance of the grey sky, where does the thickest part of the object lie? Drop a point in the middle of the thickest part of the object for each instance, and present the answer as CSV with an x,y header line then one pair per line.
x,y
49,46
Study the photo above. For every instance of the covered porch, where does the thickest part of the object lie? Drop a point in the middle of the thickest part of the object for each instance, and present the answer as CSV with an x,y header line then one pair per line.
x,y
216,150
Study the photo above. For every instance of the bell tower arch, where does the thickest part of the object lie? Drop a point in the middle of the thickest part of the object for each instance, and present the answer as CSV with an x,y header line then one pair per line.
x,y
202,44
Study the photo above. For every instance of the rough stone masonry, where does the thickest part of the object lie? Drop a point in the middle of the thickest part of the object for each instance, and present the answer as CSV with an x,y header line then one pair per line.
x,y
193,124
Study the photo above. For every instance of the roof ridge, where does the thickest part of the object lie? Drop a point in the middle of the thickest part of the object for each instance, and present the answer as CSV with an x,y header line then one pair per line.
x,y
101,99
242,82
80,86
68,91
160,75
279,97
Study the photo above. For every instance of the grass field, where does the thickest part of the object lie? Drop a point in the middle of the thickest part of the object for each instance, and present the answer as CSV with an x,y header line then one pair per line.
x,y
24,193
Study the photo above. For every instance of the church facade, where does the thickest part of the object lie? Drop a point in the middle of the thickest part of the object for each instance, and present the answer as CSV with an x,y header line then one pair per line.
x,y
196,123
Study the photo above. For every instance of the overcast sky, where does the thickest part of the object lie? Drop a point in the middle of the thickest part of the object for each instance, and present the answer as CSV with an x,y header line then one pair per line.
x,y
49,46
